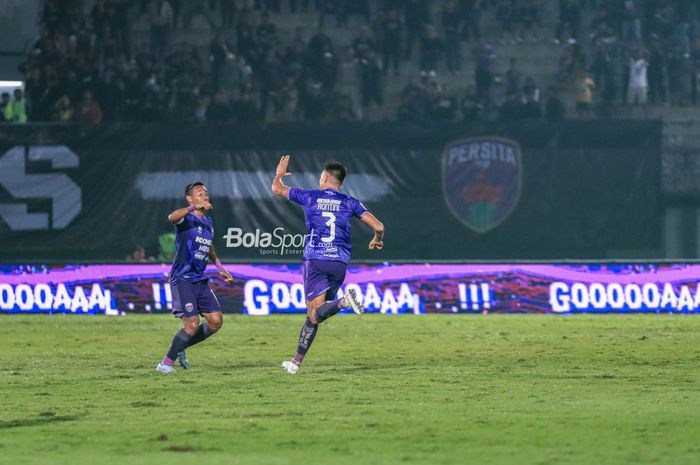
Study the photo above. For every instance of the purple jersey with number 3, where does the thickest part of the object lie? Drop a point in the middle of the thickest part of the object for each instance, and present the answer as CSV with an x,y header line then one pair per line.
x,y
328,217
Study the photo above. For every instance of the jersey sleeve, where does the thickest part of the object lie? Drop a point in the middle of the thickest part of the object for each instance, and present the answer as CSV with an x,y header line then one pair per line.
x,y
358,209
298,195
184,223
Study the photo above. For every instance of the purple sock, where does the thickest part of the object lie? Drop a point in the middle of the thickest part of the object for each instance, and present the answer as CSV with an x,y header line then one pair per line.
x,y
167,361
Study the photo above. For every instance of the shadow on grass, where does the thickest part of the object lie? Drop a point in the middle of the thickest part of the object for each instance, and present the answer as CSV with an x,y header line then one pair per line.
x,y
43,419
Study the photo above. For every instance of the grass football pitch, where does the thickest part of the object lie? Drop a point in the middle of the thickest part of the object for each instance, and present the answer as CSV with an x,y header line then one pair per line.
x,y
438,389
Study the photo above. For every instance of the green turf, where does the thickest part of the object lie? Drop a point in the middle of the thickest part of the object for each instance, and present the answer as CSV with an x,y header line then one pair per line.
x,y
374,390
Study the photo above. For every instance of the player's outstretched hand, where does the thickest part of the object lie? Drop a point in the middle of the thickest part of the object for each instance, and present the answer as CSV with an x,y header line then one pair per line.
x,y
376,245
227,276
282,167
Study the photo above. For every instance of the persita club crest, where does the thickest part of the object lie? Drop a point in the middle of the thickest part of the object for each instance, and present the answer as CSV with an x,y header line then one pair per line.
x,y
481,179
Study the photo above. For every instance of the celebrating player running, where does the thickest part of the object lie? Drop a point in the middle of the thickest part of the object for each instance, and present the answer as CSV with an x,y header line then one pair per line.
x,y
192,295
327,252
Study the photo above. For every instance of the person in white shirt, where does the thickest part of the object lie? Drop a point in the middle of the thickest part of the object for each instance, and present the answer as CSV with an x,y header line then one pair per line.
x,y
638,85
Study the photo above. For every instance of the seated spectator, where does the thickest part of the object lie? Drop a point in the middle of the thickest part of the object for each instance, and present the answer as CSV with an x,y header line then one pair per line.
x,y
246,110
220,110
138,255
63,110
531,109
531,88
314,105
472,109
443,107
343,110
286,105
88,111
554,109
511,109
202,109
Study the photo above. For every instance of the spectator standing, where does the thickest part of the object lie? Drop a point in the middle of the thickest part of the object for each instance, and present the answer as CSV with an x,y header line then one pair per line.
x,y
271,76
471,18
569,18
656,71
638,85
451,26
431,49
583,86
161,20
4,102
483,55
370,80
391,43
16,110
415,16
631,21
363,43
695,71
514,78
196,8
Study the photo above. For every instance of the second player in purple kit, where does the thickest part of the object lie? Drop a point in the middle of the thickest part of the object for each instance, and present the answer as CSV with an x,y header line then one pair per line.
x,y
329,215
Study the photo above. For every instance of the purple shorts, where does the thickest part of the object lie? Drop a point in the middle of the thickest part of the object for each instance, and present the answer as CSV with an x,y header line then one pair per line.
x,y
323,276
193,299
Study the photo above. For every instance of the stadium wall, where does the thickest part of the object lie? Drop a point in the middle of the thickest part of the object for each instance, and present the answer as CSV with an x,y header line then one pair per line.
x,y
574,190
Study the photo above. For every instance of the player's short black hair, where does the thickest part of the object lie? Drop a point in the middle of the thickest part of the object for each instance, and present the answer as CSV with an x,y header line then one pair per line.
x,y
335,169
189,187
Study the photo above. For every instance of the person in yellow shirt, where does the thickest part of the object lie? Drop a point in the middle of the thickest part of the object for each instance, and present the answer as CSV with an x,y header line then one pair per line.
x,y
16,110
584,86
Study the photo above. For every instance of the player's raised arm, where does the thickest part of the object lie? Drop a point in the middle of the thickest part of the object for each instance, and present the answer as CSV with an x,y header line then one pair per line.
x,y
219,266
198,197
278,187
378,227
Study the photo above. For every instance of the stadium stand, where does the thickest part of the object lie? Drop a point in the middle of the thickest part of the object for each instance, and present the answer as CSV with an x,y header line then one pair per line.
x,y
340,60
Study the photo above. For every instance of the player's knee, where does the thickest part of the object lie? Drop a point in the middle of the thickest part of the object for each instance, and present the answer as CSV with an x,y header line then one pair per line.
x,y
191,327
311,314
216,323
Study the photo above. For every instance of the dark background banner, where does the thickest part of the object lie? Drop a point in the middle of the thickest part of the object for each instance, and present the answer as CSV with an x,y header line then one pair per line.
x,y
587,188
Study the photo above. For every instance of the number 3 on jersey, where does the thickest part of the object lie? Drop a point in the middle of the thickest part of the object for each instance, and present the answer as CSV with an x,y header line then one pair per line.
x,y
331,224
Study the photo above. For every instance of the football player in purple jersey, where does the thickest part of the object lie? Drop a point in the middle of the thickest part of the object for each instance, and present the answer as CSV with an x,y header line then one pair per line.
x,y
329,214
192,295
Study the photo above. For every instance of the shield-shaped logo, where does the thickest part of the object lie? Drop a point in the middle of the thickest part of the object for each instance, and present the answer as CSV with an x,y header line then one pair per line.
x,y
481,179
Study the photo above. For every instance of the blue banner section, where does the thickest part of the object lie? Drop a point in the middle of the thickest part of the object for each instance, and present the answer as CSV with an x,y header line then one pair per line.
x,y
387,288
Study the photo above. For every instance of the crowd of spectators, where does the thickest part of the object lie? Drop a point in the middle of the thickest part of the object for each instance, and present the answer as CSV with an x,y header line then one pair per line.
x,y
86,67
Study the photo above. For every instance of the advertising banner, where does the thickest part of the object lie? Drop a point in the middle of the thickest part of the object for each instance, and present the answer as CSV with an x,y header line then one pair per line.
x,y
578,190
383,288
